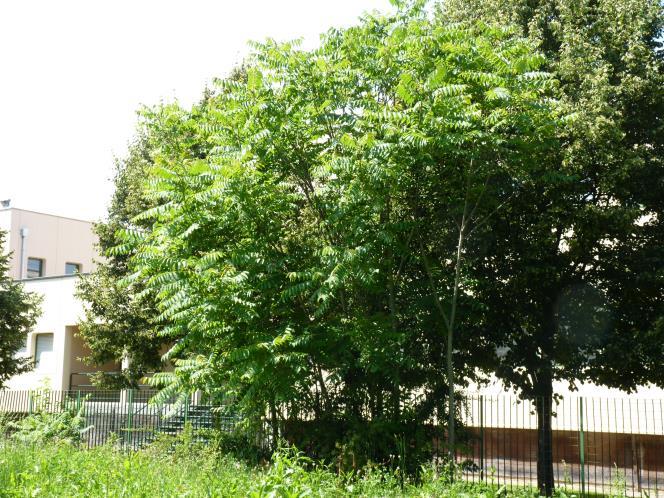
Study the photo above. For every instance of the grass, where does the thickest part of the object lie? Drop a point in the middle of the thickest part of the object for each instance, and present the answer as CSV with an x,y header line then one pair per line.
x,y
191,470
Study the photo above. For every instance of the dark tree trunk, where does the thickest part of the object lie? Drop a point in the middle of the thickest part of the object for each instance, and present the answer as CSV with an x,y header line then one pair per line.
x,y
545,480
543,391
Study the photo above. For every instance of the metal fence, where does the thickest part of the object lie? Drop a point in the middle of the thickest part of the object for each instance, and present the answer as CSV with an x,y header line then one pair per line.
x,y
600,445
126,415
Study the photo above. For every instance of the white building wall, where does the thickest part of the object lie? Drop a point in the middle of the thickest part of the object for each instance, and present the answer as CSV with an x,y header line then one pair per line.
x,y
601,409
60,313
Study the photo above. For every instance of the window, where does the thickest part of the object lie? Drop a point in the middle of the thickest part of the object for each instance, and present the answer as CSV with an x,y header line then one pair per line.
x,y
35,267
72,268
43,350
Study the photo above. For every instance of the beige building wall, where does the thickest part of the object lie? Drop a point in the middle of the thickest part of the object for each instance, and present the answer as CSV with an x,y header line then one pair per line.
x,y
605,409
54,239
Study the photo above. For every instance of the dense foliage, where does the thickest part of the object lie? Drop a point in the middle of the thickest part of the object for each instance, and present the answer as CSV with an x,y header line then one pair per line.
x,y
573,279
19,311
309,262
339,237
117,324
46,427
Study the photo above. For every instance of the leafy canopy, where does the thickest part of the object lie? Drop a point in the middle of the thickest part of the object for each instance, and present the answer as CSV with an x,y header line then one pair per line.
x,y
117,323
288,261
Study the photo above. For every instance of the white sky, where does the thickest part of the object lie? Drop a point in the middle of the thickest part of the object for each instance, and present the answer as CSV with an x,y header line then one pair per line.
x,y
73,74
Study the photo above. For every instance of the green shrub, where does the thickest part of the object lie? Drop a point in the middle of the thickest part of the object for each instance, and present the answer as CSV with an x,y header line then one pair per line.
x,y
209,443
67,426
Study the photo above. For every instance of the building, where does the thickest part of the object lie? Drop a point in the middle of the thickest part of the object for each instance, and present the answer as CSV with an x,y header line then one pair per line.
x,y
47,254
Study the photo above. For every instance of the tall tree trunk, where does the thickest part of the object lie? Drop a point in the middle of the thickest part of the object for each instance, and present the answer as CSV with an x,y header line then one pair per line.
x,y
449,353
544,396
544,404
449,356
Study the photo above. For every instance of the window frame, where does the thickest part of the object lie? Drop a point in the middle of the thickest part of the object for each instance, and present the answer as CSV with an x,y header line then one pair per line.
x,y
42,267
37,359
77,265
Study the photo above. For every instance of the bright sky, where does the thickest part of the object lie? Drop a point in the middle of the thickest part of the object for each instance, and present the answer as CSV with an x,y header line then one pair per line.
x,y
73,74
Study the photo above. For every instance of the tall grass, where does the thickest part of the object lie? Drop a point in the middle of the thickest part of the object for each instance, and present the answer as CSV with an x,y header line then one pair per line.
x,y
59,470
183,470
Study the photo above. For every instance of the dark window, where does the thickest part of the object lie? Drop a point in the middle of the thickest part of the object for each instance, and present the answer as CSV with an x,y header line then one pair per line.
x,y
72,268
35,267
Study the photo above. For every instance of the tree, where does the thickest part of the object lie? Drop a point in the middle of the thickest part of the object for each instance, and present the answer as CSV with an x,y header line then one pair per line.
x,y
118,322
19,311
301,264
573,279
500,123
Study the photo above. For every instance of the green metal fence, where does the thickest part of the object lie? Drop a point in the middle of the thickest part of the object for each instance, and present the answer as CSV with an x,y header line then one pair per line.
x,y
128,414
599,445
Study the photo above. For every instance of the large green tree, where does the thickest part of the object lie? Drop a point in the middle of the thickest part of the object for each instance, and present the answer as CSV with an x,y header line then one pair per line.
x,y
19,311
573,278
310,263
118,321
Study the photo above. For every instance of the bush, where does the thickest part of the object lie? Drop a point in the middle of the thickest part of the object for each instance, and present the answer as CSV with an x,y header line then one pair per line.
x,y
209,442
67,426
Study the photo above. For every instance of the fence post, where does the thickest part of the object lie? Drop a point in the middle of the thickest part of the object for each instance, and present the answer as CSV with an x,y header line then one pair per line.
x,y
29,402
481,438
78,401
582,453
130,415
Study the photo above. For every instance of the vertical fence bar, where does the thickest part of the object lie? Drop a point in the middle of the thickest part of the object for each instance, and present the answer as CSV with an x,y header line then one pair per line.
x,y
130,414
609,440
481,414
510,432
639,463
501,424
582,456
593,430
654,431
661,421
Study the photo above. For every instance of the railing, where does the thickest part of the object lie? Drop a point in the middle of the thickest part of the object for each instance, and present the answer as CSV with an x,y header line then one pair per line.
x,y
599,445
127,414
76,384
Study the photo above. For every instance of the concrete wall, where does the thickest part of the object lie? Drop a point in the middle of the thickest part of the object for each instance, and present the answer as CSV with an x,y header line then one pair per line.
x,y
54,239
